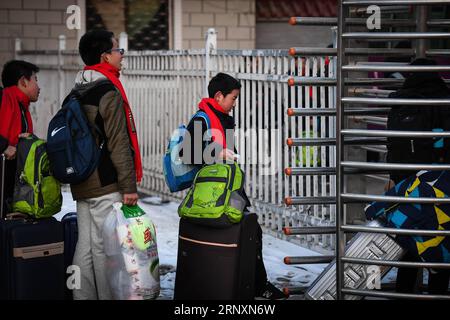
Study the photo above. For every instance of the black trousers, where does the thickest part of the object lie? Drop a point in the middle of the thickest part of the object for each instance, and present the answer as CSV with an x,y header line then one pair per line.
x,y
438,280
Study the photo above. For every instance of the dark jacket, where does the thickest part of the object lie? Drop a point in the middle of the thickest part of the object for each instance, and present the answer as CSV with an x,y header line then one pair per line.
x,y
102,104
423,118
197,142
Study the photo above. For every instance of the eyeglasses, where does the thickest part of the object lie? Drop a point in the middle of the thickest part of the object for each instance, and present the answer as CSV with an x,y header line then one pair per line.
x,y
120,50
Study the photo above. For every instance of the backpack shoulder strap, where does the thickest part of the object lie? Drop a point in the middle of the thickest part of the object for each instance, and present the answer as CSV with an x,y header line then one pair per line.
x,y
202,115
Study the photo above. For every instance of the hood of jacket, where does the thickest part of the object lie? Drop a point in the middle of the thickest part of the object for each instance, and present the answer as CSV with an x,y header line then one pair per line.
x,y
87,79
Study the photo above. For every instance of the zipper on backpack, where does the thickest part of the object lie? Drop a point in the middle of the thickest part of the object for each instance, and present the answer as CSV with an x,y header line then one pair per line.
x,y
210,179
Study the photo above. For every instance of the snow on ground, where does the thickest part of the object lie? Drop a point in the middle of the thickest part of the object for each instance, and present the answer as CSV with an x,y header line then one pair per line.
x,y
166,219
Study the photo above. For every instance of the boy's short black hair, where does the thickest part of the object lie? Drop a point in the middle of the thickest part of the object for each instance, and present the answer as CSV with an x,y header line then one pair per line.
x,y
93,44
13,70
224,83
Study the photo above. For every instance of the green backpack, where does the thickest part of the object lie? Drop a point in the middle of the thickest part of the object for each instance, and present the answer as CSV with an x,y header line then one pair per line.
x,y
36,191
216,196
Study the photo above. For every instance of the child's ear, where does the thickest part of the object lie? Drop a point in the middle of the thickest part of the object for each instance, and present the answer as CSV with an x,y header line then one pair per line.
x,y
22,82
218,96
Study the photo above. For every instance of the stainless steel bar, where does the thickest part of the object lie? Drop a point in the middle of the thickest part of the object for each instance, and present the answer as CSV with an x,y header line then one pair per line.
x,y
394,67
374,293
312,51
332,171
395,133
379,51
395,166
397,264
393,2
307,81
396,102
437,52
293,112
290,231
432,233
310,171
313,21
373,81
355,198
386,22
309,200
421,44
380,92
294,142
340,178
438,23
383,36
383,9
369,120
310,142
308,260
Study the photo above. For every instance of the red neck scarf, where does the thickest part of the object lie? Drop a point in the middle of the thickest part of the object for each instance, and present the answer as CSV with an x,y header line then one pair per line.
x,y
214,120
11,115
112,73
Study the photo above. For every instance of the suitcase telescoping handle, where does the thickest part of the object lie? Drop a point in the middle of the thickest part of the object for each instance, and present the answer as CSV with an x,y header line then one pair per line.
x,y
2,184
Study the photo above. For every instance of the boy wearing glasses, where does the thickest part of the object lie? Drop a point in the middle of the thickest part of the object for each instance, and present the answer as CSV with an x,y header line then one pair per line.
x,y
106,106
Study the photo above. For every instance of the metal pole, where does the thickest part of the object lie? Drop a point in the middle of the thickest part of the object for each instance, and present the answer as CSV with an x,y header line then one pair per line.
x,y
392,263
308,260
393,2
421,27
354,197
373,293
340,216
211,44
290,231
61,89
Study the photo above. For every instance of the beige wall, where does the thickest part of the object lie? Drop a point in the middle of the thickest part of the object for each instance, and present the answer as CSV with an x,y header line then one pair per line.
x,y
37,22
233,20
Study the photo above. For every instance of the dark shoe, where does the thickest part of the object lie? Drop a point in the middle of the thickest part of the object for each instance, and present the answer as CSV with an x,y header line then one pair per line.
x,y
271,292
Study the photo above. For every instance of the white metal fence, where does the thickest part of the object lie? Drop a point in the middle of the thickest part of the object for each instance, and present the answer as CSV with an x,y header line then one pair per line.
x,y
164,88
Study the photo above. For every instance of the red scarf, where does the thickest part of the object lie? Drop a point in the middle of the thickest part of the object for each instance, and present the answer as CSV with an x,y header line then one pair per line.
x,y
112,73
214,120
11,115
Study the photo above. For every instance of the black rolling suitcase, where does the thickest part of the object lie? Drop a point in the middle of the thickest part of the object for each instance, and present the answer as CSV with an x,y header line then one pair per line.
x,y
31,257
216,264
70,226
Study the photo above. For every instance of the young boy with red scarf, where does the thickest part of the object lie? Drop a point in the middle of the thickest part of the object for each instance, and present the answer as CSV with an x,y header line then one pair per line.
x,y
223,91
106,106
20,88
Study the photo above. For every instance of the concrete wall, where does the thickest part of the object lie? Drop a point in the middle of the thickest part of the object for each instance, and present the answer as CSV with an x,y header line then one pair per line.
x,y
233,20
37,22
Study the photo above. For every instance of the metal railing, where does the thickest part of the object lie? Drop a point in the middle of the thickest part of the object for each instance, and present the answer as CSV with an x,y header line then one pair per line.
x,y
357,104
164,89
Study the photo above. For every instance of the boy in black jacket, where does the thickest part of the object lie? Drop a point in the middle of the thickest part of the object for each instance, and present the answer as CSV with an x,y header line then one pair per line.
x,y
223,92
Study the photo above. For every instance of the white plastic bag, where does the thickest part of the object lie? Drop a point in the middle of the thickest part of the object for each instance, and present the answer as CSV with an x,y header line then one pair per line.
x,y
129,238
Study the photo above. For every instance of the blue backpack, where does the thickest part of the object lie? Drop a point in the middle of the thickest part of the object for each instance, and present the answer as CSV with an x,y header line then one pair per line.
x,y
71,146
179,176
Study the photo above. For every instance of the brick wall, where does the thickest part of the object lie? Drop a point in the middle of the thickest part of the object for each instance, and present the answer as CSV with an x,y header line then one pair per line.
x,y
233,20
37,22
